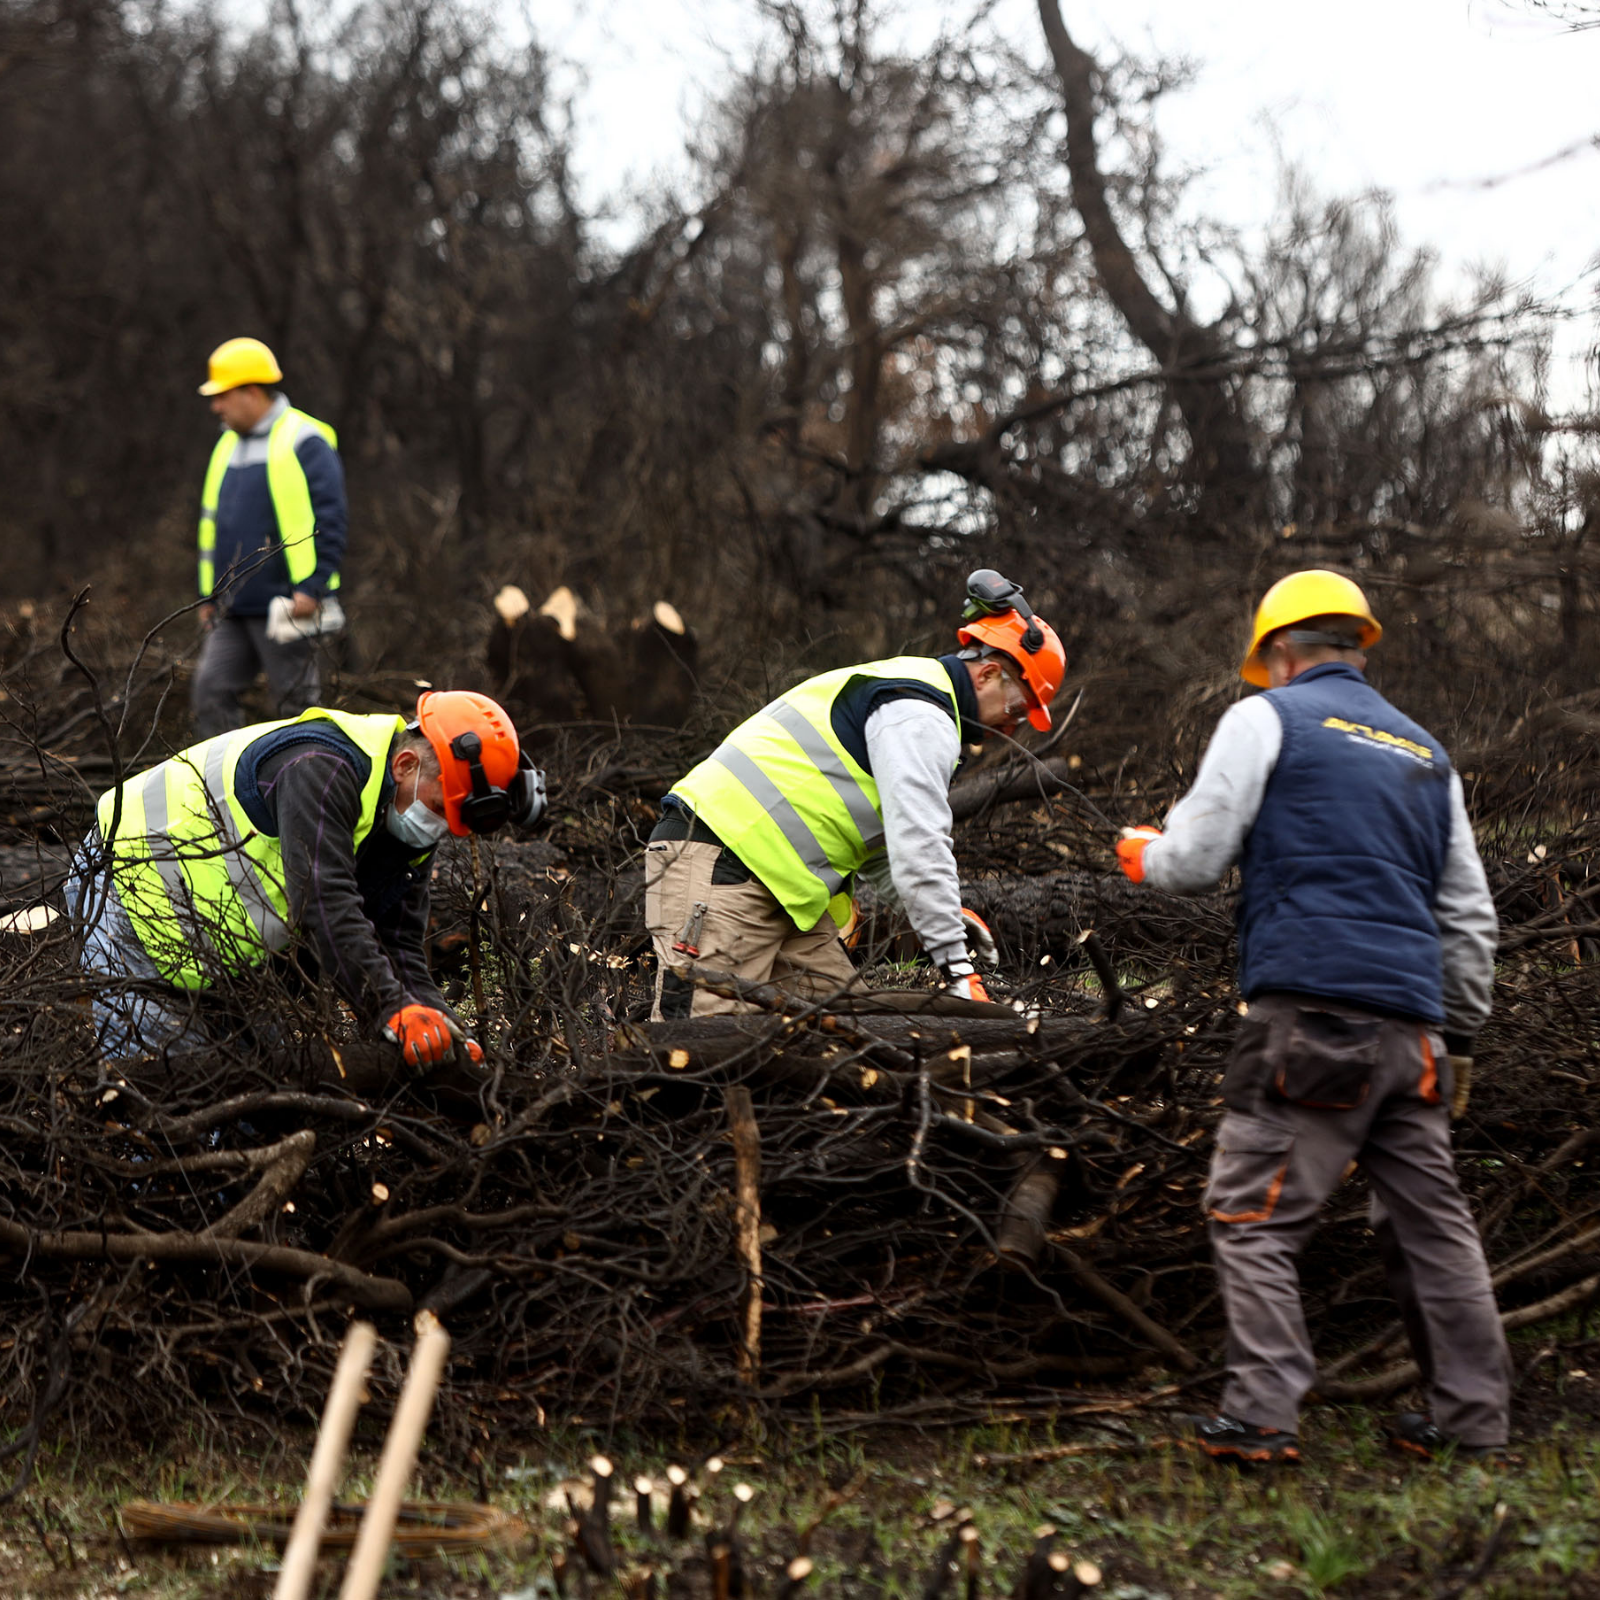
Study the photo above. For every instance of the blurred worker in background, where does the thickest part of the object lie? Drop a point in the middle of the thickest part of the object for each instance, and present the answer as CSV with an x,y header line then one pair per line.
x,y
1366,954
272,539
847,772
317,832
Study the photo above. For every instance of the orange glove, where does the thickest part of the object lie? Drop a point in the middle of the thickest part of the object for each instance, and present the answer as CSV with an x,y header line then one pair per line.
x,y
474,1051
1130,851
426,1037
979,939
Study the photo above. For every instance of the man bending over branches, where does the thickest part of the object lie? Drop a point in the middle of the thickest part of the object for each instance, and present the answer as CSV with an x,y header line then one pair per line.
x,y
746,874
319,829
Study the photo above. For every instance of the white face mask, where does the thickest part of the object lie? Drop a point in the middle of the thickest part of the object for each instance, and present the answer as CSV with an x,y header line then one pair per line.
x,y
418,826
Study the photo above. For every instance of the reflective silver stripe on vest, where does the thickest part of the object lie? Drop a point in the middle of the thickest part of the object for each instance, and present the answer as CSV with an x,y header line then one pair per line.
x,y
826,760
243,873
801,839
164,857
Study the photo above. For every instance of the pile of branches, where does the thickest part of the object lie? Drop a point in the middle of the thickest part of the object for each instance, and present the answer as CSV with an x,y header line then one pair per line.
x,y
897,1205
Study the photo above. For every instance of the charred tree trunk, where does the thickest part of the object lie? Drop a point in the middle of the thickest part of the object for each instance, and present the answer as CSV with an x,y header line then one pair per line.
x,y
1221,459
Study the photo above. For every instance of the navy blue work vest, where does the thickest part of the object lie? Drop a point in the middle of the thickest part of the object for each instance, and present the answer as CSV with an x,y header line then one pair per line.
x,y
1343,864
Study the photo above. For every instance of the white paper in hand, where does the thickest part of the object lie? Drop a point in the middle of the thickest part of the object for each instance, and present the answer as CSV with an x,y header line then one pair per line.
x,y
284,628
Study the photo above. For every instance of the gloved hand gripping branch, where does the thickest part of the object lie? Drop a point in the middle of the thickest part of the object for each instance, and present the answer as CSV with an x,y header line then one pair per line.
x,y
961,979
1458,1048
429,1037
1130,851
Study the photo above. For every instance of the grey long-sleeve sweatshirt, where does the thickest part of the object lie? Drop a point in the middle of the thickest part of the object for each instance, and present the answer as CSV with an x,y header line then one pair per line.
x,y
1206,832
913,748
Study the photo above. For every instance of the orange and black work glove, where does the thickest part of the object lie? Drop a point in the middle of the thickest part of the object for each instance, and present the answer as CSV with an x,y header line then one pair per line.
x,y
961,981
979,940
426,1037
1130,851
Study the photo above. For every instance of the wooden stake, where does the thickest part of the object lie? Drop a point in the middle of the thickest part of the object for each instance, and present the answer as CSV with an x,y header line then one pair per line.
x,y
399,1457
327,1459
678,1504
747,1217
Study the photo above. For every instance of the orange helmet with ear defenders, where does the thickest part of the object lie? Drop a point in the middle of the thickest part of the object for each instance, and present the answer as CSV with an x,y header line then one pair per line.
x,y
997,615
487,780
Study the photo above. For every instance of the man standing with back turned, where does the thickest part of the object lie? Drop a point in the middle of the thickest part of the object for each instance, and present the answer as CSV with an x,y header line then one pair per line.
x,y
272,536
1366,953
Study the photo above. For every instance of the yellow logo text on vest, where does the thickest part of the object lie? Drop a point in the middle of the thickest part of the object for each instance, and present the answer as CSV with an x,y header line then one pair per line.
x,y
1380,737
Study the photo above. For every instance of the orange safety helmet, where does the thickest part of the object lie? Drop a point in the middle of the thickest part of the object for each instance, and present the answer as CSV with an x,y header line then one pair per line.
x,y
996,615
481,764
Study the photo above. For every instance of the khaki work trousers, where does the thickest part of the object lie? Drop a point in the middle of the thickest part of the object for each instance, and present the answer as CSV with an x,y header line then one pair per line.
x,y
1312,1086
744,932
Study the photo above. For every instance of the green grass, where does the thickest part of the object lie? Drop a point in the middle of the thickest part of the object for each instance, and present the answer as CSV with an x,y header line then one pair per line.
x,y
1160,1524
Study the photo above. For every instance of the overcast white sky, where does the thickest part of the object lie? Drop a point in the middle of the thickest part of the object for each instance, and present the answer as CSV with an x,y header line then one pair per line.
x,y
1446,104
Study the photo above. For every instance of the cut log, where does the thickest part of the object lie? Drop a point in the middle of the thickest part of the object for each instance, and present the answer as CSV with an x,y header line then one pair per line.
x,y
1025,1218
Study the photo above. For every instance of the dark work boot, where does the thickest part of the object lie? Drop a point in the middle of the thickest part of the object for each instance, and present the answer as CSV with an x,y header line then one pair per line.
x,y
1228,1439
1416,1434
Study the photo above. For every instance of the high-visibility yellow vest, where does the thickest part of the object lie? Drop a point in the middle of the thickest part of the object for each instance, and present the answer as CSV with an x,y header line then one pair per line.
x,y
291,498
203,888
789,800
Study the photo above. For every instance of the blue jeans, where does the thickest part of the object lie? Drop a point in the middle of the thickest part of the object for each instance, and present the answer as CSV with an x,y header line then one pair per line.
x,y
136,1011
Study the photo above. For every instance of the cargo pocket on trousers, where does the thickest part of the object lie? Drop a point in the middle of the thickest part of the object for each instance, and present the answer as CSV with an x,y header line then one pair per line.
x,y
1248,1170
1327,1061
1249,1067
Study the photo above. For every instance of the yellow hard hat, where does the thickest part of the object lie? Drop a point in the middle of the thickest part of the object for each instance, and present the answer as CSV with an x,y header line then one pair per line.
x,y
1298,598
241,361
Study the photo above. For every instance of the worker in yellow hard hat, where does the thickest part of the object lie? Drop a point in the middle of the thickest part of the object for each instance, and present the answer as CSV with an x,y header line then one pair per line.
x,y
272,538
1366,955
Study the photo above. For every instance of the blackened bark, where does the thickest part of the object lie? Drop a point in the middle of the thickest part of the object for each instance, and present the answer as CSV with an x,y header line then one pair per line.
x,y
1221,459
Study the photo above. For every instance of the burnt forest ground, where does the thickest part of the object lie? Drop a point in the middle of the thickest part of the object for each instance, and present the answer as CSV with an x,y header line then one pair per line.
x,y
1129,1497
1133,1502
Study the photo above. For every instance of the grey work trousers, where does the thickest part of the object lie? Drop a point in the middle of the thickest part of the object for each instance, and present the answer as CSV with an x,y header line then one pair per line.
x,y
235,650
744,931
1314,1085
